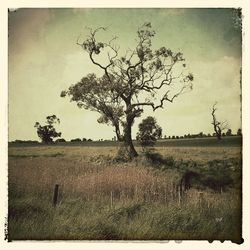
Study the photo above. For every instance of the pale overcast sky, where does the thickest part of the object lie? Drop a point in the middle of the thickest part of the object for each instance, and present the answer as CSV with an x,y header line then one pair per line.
x,y
44,60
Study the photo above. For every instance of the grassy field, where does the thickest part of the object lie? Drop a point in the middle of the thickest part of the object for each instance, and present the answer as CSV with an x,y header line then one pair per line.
x,y
100,198
227,141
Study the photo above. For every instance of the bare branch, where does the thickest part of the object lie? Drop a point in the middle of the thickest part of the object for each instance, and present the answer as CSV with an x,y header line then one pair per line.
x,y
218,126
162,100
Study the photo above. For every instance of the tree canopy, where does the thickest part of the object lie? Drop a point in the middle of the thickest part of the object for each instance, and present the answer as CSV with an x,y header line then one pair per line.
x,y
47,132
132,80
149,132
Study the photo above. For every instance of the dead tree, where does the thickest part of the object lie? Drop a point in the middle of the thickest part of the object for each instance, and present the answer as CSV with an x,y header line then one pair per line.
x,y
218,126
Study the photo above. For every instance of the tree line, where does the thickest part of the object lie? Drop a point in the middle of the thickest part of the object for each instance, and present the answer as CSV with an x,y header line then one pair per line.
x,y
202,135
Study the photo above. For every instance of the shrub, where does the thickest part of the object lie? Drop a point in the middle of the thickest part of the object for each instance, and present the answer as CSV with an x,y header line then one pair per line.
x,y
149,132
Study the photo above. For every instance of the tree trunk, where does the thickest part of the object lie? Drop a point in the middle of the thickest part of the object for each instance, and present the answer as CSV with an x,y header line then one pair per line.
x,y
218,136
127,150
118,133
218,132
128,144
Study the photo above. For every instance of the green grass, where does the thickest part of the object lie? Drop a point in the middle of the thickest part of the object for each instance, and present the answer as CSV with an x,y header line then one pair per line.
x,y
227,141
35,218
35,155
215,174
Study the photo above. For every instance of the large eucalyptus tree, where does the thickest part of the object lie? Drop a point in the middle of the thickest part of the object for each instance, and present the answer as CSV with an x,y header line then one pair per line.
x,y
140,77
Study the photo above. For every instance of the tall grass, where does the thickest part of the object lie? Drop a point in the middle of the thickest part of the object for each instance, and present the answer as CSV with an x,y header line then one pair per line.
x,y
90,181
101,199
34,217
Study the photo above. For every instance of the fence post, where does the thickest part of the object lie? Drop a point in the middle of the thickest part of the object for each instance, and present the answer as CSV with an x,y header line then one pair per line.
x,y
201,199
111,199
165,194
55,197
179,195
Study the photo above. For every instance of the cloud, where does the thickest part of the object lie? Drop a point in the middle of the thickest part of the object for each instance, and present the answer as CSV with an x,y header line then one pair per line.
x,y
26,27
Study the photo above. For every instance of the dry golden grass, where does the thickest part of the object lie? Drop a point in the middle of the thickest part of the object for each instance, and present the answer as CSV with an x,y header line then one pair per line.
x,y
40,168
88,180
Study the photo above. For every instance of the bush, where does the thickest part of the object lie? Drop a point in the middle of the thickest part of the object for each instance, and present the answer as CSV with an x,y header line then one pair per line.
x,y
149,132
157,159
61,140
76,140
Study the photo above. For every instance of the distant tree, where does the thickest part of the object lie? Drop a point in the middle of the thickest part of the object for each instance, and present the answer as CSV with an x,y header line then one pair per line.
x,y
84,139
218,126
165,137
223,134
24,141
60,140
47,132
173,137
76,140
201,134
239,133
92,140
209,135
229,132
149,132
141,77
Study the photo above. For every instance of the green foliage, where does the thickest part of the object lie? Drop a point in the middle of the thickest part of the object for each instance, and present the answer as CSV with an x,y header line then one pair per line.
x,y
158,161
149,132
76,140
220,175
47,132
229,132
217,175
239,132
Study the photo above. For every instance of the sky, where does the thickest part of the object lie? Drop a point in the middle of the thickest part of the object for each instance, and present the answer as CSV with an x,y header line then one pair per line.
x,y
44,59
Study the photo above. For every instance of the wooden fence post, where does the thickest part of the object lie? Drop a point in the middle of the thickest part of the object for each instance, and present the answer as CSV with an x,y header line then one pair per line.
x,y
111,199
201,199
165,194
179,195
55,197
